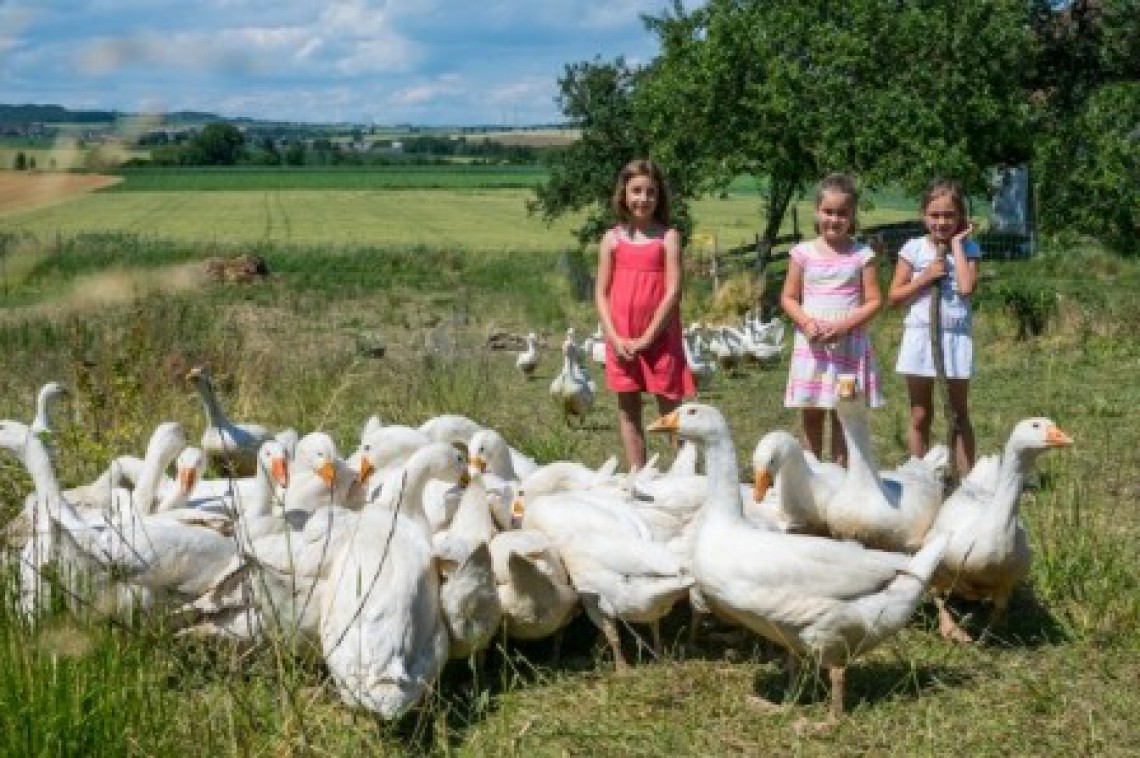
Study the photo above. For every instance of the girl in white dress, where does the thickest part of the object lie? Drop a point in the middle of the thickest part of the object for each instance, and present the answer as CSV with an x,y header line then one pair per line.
x,y
945,259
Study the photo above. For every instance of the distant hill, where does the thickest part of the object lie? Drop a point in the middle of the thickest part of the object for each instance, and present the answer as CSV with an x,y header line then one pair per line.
x,y
57,114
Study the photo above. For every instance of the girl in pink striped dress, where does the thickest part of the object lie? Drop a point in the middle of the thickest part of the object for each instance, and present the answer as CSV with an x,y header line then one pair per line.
x,y
831,292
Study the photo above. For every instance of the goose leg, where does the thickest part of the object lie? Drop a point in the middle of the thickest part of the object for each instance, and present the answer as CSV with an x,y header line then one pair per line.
x,y
609,630
655,630
838,690
946,624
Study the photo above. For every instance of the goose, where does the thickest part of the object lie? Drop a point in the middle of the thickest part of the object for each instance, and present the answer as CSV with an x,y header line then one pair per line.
x,y
163,556
527,360
758,351
468,597
818,597
572,389
771,332
383,450
989,553
803,485
318,477
887,513
728,352
702,370
381,625
535,592
618,572
458,429
231,446
46,399
594,346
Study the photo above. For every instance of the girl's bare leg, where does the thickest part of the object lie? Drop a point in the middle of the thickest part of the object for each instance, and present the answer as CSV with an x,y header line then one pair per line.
x,y
813,419
964,448
920,389
630,429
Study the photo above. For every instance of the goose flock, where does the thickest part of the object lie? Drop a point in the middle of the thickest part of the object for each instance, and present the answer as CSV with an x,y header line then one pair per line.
x,y
708,349
427,542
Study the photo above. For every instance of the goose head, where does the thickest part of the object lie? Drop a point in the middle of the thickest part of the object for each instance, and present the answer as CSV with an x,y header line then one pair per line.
x,y
385,447
189,466
48,395
770,453
273,458
199,376
317,453
695,422
488,450
1033,436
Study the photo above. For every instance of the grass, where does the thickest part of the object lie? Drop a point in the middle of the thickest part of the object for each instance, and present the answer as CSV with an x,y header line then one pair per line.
x,y
244,179
1058,679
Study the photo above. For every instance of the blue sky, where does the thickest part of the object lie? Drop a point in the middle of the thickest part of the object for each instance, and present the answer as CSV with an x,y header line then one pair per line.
x,y
371,61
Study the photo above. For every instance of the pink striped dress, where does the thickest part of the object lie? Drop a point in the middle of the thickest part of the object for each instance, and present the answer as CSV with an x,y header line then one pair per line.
x,y
832,288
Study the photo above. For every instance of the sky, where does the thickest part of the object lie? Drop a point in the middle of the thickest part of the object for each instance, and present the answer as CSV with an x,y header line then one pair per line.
x,y
426,62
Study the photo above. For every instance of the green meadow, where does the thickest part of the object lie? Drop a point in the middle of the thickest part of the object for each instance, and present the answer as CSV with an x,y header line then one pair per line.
x,y
106,294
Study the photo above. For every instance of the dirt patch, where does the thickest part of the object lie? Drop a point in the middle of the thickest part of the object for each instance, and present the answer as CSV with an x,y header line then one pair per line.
x,y
25,190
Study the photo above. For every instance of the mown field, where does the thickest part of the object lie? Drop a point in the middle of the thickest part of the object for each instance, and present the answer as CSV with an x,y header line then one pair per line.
x,y
119,316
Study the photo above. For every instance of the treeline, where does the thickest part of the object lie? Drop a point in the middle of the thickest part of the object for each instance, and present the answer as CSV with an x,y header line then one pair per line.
x,y
223,144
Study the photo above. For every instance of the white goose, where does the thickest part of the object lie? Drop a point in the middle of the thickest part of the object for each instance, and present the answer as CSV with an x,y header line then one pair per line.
x,y
594,346
527,360
381,625
827,599
318,478
164,556
803,485
535,592
42,425
989,554
887,513
702,369
572,389
231,446
618,571
459,430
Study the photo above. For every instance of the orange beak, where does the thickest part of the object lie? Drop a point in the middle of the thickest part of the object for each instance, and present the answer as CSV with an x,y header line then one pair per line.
x,y
761,483
479,463
1057,438
518,508
327,472
279,471
464,479
187,477
366,470
670,422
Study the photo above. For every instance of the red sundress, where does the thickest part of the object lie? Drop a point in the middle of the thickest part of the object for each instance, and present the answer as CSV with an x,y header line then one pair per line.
x,y
636,289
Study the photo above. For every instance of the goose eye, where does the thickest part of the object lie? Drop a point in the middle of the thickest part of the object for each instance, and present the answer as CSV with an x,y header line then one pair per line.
x,y
368,448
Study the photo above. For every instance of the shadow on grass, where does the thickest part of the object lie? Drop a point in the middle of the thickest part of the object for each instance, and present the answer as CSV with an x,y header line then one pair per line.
x,y
1027,624
867,682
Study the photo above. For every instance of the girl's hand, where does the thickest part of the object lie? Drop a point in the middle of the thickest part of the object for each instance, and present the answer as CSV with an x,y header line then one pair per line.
x,y
936,270
812,329
624,348
962,235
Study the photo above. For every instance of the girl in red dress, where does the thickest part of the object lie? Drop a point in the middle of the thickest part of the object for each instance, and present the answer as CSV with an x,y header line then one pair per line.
x,y
638,296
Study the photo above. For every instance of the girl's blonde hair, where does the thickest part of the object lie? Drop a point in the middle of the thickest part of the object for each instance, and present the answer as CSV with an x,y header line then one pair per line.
x,y
641,167
843,184
940,187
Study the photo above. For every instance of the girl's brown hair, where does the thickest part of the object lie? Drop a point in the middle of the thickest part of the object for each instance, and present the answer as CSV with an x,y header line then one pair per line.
x,y
940,187
641,167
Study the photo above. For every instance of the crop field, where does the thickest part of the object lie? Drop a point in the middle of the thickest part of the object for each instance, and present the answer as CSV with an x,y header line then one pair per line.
x,y
113,302
474,208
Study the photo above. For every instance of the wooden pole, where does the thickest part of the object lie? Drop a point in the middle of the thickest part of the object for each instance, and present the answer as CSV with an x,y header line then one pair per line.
x,y
940,359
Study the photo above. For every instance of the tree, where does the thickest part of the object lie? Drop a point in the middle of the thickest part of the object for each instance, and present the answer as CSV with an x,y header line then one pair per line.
x,y
217,144
1085,86
598,98
786,91
21,162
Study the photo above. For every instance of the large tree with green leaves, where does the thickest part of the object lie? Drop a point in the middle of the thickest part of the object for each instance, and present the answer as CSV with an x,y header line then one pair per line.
x,y
788,90
1085,87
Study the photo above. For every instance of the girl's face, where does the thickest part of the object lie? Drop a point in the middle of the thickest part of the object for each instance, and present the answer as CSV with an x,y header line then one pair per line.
x,y
942,218
641,198
835,216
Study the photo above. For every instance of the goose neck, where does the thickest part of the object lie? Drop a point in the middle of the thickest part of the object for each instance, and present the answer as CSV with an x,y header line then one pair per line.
x,y
862,470
723,479
210,402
